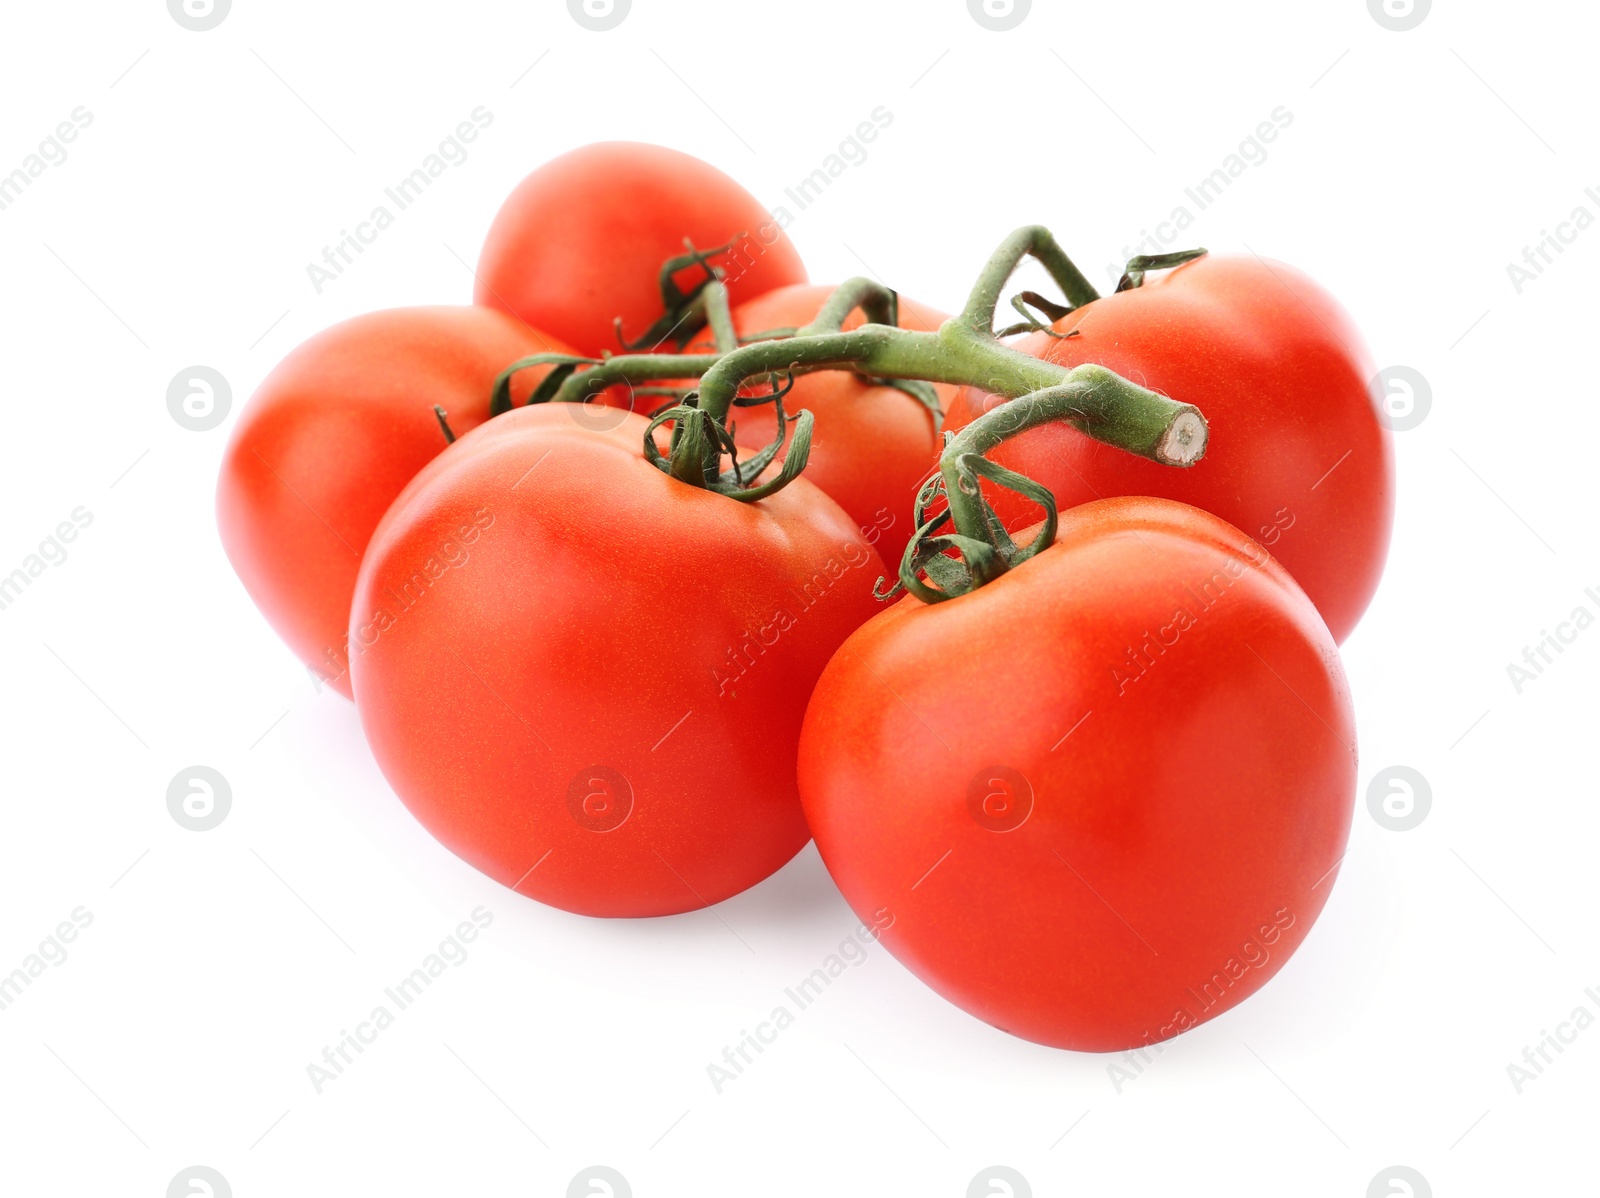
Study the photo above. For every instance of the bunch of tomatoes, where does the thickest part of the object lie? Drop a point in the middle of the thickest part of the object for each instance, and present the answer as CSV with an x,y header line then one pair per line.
x,y
659,560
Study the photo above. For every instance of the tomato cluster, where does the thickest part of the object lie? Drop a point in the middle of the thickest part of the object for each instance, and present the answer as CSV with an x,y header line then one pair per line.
x,y
604,561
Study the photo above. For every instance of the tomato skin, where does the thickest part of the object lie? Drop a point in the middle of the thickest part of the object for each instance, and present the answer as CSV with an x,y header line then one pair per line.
x,y
1298,457
580,241
586,618
1186,828
871,447
328,440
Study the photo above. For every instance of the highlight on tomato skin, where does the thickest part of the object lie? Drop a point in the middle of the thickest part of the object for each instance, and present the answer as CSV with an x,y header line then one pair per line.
x,y
331,436
585,677
579,242
1300,457
1115,797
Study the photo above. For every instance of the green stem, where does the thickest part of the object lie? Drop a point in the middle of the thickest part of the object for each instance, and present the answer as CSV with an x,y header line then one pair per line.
x,y
956,354
1103,404
1040,243
1091,398
963,352
632,368
719,316
878,304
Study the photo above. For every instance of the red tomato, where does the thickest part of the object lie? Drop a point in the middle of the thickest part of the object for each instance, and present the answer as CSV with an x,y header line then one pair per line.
x,y
871,447
581,240
1299,458
332,436
1100,799
587,678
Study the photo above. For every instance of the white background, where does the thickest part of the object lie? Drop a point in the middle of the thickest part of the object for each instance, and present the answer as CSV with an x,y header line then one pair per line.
x,y
218,964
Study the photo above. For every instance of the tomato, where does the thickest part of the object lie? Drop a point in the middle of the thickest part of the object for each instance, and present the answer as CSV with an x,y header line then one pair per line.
x,y
871,446
328,440
587,678
1100,799
581,240
1299,457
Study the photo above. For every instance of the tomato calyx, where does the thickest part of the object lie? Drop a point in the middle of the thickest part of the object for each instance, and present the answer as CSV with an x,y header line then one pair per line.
x,y
1133,274
1027,303
684,313
699,443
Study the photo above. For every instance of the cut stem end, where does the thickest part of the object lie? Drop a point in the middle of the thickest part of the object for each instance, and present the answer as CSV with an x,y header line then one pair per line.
x,y
1185,440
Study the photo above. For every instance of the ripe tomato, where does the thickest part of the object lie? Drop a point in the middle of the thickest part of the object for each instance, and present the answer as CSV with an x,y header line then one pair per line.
x,y
587,678
871,446
1101,797
580,241
1299,458
328,440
